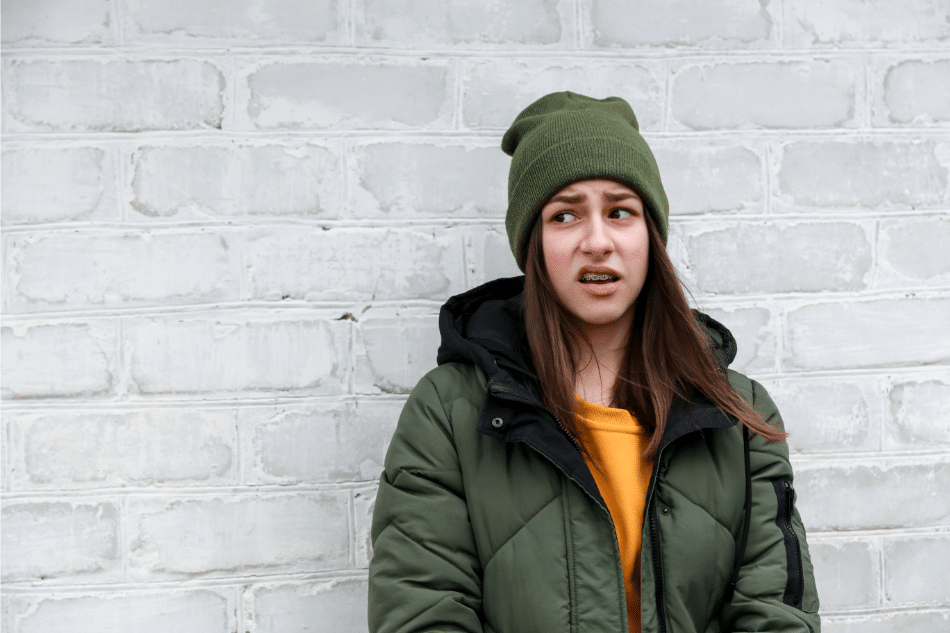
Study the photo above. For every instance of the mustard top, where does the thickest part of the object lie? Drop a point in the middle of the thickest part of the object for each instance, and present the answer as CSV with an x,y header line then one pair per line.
x,y
617,442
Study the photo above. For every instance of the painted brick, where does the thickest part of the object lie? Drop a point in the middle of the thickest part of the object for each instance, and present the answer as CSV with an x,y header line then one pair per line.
x,y
425,180
59,540
818,94
201,182
847,573
915,92
715,24
702,179
488,255
364,501
914,251
354,264
785,257
916,570
237,353
207,610
902,622
343,93
912,23
52,22
829,415
113,95
238,535
58,451
76,270
835,495
394,353
918,417
317,444
425,23
245,22
51,360
755,335
290,608
85,185
494,92
887,332
864,174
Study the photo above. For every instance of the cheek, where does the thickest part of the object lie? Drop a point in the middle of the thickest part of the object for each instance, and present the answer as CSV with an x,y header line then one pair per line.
x,y
556,260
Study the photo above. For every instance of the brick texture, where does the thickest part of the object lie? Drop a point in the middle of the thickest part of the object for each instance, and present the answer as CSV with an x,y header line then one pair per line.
x,y
228,228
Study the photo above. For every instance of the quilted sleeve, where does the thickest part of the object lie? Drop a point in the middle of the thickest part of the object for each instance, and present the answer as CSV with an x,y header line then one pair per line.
x,y
424,574
775,590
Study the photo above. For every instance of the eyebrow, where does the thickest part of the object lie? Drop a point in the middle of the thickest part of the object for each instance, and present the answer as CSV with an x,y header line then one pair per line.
x,y
561,197
577,198
620,195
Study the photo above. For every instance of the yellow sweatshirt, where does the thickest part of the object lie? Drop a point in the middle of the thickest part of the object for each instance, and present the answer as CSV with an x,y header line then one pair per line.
x,y
617,441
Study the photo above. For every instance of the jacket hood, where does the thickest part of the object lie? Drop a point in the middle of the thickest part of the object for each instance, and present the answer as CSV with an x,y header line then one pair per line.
x,y
484,327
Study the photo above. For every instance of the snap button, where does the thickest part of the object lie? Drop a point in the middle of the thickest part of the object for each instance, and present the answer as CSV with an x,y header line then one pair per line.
x,y
497,423
666,510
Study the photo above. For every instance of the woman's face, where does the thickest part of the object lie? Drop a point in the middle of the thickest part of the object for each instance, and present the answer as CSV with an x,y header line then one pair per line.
x,y
596,250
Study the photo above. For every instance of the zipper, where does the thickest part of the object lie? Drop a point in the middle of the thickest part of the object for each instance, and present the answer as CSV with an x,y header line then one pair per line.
x,y
655,546
795,586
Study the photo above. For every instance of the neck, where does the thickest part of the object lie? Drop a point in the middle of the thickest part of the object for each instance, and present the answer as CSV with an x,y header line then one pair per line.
x,y
599,363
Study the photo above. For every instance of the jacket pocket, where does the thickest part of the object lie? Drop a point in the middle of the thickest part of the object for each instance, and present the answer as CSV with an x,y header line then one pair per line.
x,y
795,585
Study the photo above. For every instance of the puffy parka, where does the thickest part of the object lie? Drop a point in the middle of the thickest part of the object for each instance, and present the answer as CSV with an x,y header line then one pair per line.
x,y
488,520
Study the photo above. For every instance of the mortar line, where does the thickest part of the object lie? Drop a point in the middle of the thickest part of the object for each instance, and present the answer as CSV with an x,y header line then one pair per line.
x,y
457,91
666,114
117,30
239,457
240,608
229,121
351,528
908,134
182,585
767,178
122,379
117,153
7,456
882,385
125,536
228,223
579,26
875,253
882,576
780,27
154,51
351,23
867,113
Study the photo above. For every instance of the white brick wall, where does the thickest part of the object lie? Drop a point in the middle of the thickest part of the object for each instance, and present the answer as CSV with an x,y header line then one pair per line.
x,y
227,233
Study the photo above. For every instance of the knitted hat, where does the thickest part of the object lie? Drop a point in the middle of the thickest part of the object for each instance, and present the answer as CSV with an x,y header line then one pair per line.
x,y
565,137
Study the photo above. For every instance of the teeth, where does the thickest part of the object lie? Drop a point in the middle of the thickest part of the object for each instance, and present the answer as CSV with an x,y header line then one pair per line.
x,y
597,277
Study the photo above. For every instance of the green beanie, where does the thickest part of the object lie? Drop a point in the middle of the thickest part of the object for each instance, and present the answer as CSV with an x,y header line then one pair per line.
x,y
565,137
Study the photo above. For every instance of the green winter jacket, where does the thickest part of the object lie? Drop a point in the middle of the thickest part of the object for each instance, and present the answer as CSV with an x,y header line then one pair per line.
x,y
488,520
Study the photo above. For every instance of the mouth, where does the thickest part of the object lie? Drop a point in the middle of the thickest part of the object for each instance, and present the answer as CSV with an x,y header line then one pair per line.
x,y
598,277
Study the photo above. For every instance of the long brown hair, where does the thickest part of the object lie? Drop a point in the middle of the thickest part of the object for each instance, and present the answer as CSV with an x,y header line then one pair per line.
x,y
668,354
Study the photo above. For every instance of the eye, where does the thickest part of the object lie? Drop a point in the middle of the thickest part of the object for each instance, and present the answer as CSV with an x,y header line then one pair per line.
x,y
563,216
621,214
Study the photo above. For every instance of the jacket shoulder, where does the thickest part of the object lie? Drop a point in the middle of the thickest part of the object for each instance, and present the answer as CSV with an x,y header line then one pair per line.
x,y
445,397
756,395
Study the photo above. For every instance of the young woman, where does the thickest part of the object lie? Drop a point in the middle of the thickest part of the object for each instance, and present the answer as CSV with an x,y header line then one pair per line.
x,y
582,460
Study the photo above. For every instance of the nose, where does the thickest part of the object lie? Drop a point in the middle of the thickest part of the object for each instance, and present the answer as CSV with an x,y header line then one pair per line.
x,y
596,238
